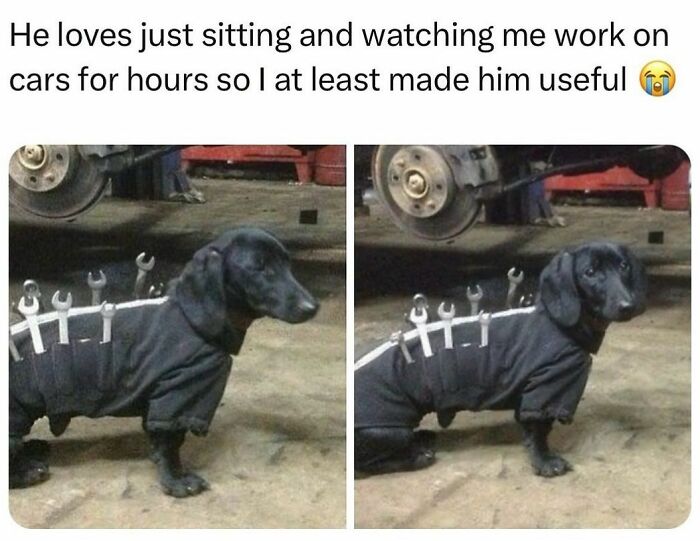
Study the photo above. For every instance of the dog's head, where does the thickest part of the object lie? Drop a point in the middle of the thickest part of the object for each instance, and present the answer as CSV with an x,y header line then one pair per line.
x,y
603,280
243,274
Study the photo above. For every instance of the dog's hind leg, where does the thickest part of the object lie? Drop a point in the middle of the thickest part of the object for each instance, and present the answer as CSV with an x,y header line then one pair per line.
x,y
165,452
25,468
37,449
545,462
388,450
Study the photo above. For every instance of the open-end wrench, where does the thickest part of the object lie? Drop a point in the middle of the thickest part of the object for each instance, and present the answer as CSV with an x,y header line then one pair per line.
x,y
514,281
62,308
108,312
156,291
419,317
474,298
527,300
96,286
397,338
446,316
29,313
484,321
31,290
144,267
13,349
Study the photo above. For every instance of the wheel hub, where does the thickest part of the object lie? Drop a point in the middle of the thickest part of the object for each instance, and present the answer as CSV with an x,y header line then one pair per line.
x,y
420,181
416,186
40,168
32,156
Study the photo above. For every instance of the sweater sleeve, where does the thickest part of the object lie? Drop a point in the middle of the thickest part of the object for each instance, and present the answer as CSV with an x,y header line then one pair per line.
x,y
554,390
187,397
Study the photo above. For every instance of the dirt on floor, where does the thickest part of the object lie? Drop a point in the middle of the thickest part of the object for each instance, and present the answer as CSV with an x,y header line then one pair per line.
x,y
630,440
275,454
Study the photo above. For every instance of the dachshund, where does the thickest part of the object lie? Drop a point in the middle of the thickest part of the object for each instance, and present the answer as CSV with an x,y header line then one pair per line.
x,y
168,359
536,363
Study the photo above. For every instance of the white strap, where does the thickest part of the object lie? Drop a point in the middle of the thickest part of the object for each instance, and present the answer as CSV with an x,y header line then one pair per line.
x,y
435,326
83,310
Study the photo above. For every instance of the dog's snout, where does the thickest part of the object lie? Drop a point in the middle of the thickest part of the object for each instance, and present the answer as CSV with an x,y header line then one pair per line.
x,y
308,306
626,308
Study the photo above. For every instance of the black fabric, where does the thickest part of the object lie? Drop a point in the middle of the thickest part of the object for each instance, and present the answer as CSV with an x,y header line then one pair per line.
x,y
530,366
157,366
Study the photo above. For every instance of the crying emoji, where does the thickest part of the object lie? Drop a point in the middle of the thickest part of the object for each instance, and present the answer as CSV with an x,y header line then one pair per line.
x,y
657,78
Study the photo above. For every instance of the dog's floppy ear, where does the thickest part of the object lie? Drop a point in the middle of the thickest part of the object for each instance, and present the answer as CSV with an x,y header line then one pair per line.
x,y
558,290
638,280
200,292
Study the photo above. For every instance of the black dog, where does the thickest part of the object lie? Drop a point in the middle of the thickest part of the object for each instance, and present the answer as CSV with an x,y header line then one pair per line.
x,y
536,363
168,360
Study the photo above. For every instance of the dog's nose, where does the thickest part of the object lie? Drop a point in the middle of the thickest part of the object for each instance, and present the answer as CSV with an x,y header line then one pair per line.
x,y
625,308
308,307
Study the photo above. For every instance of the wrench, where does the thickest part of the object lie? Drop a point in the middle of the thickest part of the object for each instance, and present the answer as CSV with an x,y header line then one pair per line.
x,y
96,285
108,311
397,338
419,317
484,321
62,310
13,349
144,267
31,289
29,313
446,316
156,291
474,298
513,281
527,300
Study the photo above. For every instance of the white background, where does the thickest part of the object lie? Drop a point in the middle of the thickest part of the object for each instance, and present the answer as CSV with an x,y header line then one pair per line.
x,y
629,117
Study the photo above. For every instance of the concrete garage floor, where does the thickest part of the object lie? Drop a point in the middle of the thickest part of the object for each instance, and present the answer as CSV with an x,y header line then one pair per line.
x,y
275,455
630,441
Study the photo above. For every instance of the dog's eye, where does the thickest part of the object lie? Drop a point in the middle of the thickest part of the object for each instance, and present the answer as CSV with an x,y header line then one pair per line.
x,y
590,271
624,266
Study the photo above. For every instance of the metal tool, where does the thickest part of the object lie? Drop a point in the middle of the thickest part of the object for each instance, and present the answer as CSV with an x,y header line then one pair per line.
x,y
144,267
13,349
446,316
398,338
156,291
420,302
108,312
484,321
96,286
31,290
62,308
419,317
474,298
514,281
527,300
29,313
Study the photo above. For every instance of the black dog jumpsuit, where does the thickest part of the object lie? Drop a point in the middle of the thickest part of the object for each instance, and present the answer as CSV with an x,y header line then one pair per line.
x,y
175,381
529,365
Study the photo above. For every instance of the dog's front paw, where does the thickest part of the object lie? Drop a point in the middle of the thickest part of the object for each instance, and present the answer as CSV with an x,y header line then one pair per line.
x,y
189,484
27,472
552,466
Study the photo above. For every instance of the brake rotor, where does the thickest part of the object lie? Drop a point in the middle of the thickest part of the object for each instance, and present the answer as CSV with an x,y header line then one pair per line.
x,y
54,181
417,185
